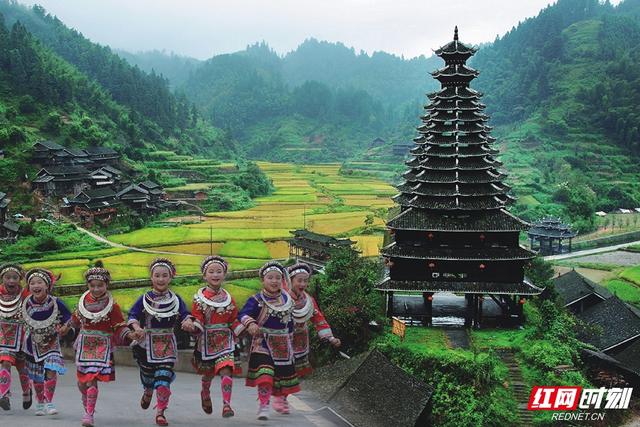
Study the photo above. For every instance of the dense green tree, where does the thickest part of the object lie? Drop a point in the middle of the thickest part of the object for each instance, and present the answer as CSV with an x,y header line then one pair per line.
x,y
348,298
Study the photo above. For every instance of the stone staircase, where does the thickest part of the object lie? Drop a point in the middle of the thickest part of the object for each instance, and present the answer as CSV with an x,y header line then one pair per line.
x,y
518,387
457,338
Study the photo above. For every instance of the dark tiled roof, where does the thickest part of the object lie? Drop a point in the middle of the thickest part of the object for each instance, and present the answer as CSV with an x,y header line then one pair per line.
x,y
449,189
50,145
360,396
112,170
573,286
498,220
536,231
320,238
629,357
455,48
149,185
459,203
455,92
439,150
43,179
98,195
455,70
522,288
76,152
468,254
463,176
65,170
132,188
617,321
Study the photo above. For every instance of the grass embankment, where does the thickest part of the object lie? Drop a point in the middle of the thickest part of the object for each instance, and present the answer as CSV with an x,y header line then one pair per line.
x,y
472,387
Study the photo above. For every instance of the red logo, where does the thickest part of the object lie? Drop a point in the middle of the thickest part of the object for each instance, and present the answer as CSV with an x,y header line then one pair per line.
x,y
554,398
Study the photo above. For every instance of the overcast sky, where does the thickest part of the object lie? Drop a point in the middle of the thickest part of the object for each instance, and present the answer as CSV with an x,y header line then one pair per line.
x,y
203,28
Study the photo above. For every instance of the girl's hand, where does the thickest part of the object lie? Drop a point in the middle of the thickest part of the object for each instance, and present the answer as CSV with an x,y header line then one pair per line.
x,y
335,342
137,335
187,325
63,329
253,329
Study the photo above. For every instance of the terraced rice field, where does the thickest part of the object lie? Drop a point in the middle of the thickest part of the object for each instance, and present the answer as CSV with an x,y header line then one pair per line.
x,y
315,197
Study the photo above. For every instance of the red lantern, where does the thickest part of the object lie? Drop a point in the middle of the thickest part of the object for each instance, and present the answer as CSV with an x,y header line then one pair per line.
x,y
522,301
432,264
482,266
430,298
482,237
430,236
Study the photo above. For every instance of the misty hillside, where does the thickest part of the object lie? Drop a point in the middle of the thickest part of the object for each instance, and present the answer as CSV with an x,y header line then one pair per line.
x,y
562,90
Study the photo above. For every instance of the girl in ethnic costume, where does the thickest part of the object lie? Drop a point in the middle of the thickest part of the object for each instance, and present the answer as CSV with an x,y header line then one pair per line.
x,y
11,334
216,316
152,318
267,318
45,318
305,310
101,324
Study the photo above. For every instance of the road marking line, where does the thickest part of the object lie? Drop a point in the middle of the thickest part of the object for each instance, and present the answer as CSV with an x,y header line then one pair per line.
x,y
298,404
343,419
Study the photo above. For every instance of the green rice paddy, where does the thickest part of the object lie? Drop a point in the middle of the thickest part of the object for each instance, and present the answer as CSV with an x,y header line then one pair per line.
x,y
315,197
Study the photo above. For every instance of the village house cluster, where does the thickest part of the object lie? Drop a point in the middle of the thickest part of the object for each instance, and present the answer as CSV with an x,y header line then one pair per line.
x,y
87,184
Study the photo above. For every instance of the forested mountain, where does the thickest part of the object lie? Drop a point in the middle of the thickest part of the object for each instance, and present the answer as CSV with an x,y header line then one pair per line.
x,y
175,68
563,88
322,101
249,94
67,75
392,80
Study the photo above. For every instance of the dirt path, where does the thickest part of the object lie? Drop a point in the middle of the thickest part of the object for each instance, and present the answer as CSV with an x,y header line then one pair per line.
x,y
131,248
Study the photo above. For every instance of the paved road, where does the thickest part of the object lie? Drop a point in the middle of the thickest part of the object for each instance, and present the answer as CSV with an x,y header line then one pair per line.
x,y
118,405
590,251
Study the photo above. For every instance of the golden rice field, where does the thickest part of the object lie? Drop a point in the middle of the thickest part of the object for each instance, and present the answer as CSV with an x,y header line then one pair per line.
x,y
315,197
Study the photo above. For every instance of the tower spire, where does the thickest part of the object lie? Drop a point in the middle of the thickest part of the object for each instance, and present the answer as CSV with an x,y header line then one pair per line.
x,y
455,34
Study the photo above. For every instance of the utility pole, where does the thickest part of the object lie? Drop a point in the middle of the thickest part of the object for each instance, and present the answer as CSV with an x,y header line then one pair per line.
x,y
210,240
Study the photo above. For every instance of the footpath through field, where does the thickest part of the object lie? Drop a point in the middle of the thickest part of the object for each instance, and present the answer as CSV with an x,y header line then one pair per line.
x,y
131,248
118,405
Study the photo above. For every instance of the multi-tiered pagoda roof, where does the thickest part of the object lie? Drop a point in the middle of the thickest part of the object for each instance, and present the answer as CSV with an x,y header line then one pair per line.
x,y
454,232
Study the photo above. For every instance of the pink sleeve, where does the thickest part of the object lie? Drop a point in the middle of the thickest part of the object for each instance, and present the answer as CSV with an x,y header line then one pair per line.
x,y
320,323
